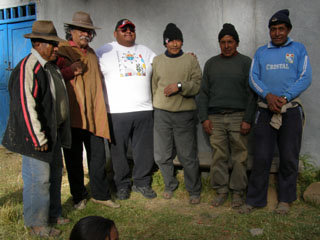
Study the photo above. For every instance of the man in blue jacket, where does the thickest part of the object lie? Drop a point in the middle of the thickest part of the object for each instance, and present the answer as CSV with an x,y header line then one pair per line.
x,y
280,72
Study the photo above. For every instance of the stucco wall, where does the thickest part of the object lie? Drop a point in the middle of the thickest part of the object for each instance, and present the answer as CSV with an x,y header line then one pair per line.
x,y
200,22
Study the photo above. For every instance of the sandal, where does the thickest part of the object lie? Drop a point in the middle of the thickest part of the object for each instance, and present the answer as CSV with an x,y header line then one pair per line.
x,y
237,200
282,208
167,194
59,221
44,231
245,209
219,200
194,200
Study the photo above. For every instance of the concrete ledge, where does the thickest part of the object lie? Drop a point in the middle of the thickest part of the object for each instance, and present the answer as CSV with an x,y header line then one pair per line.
x,y
205,162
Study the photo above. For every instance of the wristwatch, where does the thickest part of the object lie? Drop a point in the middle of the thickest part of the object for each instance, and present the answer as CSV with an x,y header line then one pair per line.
x,y
179,86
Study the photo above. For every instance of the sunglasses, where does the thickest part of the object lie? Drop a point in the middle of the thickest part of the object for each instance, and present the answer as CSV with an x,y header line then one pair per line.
x,y
125,28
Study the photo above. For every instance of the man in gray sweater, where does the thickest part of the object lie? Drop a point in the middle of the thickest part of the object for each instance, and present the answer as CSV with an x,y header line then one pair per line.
x,y
226,111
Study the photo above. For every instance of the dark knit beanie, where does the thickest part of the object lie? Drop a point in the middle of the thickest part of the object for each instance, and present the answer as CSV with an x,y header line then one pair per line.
x,y
279,17
171,33
228,29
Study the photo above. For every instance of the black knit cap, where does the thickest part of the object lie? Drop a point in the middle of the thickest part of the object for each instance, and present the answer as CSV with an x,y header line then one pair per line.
x,y
279,17
228,29
171,33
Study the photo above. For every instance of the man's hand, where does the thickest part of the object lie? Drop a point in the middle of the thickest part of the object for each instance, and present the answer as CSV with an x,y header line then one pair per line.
x,y
207,126
171,89
245,128
275,103
77,68
42,148
193,54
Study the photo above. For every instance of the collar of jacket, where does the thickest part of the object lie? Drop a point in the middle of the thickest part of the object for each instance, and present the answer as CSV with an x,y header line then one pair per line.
x,y
289,41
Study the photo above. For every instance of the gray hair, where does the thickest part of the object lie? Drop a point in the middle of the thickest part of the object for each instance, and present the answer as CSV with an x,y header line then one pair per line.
x,y
68,28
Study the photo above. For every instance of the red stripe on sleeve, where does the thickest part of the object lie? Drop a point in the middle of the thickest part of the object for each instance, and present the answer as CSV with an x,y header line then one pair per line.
x,y
23,103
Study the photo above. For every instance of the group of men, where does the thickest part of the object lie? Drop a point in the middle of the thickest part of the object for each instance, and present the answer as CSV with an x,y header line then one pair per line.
x,y
64,94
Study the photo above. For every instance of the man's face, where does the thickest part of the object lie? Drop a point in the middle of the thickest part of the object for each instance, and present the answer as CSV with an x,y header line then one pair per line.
x,y
47,50
174,46
228,46
279,34
125,36
81,36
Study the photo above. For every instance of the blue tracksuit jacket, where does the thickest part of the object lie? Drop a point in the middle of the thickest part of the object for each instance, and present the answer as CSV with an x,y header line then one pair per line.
x,y
282,71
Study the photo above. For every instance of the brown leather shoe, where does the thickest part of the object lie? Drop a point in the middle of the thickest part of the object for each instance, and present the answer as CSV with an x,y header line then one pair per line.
x,y
283,208
237,200
194,200
219,199
167,194
44,231
245,209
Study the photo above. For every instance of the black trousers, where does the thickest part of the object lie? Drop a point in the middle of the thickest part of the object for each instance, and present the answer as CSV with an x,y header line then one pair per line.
x,y
137,126
288,140
96,158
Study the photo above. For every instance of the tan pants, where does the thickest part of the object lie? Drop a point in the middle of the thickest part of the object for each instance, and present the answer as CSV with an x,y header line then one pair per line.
x,y
228,144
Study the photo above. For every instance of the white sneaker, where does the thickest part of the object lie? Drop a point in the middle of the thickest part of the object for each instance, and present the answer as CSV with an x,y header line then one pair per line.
x,y
80,205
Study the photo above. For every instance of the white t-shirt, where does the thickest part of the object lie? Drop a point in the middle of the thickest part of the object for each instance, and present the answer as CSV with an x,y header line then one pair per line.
x,y
127,75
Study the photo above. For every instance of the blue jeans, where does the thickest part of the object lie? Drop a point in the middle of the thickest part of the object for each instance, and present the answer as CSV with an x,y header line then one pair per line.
x,y
41,190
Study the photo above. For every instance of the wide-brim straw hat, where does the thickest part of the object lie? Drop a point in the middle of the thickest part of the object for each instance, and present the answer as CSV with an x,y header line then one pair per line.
x,y
44,29
82,19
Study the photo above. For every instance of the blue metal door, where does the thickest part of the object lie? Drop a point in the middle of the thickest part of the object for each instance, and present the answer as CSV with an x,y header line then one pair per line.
x,y
19,47
14,23
4,76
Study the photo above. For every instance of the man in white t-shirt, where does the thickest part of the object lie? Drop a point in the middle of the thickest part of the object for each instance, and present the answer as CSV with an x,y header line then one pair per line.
x,y
127,71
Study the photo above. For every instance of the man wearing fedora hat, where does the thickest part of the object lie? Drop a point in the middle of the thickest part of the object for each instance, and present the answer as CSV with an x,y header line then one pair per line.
x,y
38,126
89,122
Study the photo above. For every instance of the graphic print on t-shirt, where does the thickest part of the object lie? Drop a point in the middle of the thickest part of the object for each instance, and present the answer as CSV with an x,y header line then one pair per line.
x,y
131,64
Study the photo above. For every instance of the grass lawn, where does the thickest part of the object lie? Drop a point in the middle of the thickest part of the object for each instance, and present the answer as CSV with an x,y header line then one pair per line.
x,y
160,219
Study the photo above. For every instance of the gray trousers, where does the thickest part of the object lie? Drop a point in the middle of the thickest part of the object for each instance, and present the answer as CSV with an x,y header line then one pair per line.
x,y
175,134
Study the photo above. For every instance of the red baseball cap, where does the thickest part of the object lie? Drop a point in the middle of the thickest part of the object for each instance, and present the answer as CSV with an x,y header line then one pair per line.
x,y
124,22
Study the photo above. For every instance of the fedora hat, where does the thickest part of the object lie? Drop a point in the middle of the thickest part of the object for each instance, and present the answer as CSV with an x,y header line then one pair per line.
x,y
82,19
44,30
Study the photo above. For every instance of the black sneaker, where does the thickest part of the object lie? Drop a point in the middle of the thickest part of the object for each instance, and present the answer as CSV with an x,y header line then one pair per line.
x,y
147,192
123,194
